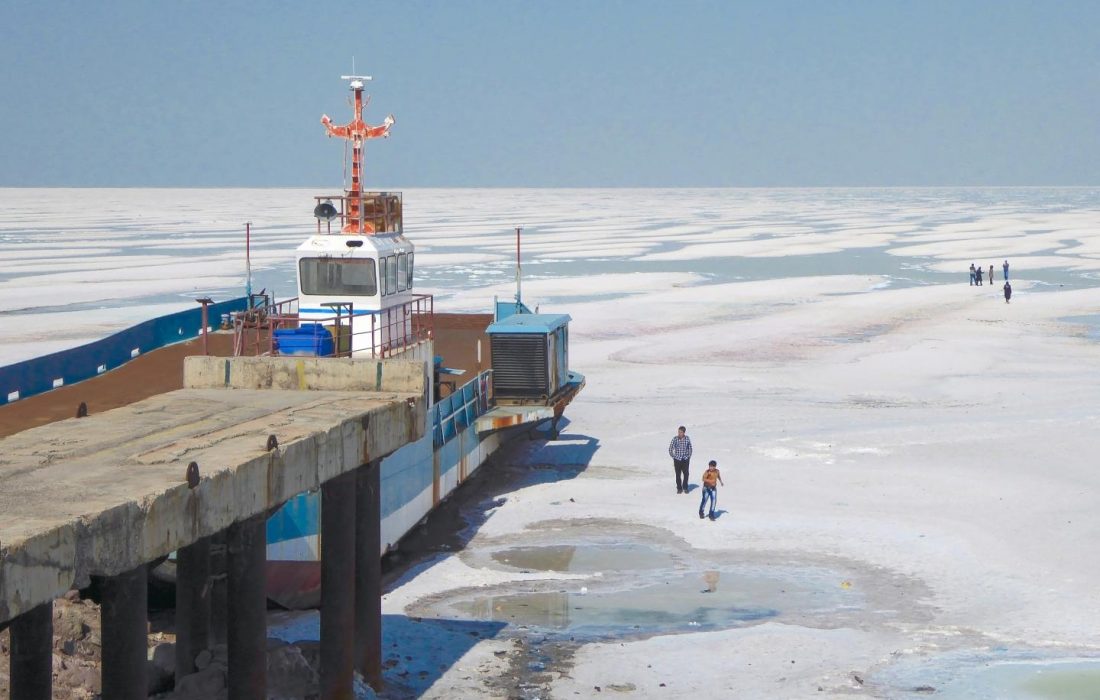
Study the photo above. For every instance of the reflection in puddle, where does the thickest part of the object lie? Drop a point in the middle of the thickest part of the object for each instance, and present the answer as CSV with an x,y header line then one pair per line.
x,y
711,579
672,602
583,559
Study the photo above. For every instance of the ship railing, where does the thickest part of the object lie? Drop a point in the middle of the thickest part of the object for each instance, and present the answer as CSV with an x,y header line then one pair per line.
x,y
253,328
455,412
398,328
379,212
362,334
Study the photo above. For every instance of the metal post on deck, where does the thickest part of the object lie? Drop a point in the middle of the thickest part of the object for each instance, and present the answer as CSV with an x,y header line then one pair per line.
x,y
368,573
32,654
124,617
338,587
205,301
337,307
246,559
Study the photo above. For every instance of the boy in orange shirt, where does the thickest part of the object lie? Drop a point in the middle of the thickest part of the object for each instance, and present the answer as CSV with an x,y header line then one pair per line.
x,y
711,478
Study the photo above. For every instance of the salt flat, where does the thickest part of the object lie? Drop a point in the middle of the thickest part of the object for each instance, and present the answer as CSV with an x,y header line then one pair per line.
x,y
928,446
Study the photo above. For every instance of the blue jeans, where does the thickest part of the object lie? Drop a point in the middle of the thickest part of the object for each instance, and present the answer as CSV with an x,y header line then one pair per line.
x,y
710,492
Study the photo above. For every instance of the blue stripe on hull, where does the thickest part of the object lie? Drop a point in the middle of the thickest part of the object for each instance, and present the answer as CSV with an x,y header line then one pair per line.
x,y
299,517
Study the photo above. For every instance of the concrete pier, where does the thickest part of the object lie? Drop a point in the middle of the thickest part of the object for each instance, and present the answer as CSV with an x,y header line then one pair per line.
x,y
106,494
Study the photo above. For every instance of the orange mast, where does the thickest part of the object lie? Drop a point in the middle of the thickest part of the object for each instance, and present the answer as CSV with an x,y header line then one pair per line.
x,y
357,131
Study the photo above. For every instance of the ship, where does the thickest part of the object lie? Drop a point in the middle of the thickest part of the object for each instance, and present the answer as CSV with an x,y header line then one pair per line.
x,y
494,376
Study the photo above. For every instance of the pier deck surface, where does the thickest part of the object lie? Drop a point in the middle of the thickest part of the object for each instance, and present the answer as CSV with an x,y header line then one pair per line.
x,y
103,494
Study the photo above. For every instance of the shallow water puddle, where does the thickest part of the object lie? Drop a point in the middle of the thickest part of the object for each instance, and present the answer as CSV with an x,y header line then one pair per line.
x,y
719,598
1079,680
583,559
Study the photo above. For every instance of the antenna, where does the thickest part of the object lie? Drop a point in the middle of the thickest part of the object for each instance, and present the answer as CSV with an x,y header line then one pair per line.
x,y
356,80
519,294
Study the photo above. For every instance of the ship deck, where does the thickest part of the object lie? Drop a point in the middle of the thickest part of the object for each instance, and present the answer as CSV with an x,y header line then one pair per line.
x,y
161,371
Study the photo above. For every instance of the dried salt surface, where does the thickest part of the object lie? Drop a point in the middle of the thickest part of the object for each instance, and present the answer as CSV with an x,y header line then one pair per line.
x,y
767,661
934,433
431,259
951,446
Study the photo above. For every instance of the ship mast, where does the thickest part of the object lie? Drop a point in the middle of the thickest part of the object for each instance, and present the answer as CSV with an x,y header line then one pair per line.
x,y
357,131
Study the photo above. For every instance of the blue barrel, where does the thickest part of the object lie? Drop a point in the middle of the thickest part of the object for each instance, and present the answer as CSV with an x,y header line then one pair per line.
x,y
308,340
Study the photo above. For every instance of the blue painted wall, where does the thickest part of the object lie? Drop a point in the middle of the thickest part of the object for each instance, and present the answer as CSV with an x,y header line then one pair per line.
x,y
77,364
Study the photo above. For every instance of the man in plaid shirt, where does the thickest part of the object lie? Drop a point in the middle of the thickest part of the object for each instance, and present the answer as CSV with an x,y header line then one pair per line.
x,y
680,451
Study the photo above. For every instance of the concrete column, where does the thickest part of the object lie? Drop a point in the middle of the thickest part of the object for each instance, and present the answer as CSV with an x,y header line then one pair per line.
x,y
247,614
338,587
32,654
368,574
124,615
218,613
192,604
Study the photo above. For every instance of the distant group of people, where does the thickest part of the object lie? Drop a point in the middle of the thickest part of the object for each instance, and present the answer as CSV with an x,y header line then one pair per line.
x,y
680,451
976,278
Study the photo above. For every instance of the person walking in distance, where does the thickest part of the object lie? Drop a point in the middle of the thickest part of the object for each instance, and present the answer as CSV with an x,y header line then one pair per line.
x,y
1005,268
711,478
680,451
979,276
991,273
1008,291
973,275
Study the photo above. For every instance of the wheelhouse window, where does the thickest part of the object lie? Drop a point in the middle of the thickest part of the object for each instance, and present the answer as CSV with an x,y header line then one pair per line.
x,y
409,283
338,277
391,273
402,272
382,274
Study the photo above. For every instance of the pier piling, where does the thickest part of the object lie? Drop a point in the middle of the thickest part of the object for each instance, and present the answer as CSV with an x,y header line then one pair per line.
x,y
338,535
124,619
218,604
247,609
32,654
368,574
192,604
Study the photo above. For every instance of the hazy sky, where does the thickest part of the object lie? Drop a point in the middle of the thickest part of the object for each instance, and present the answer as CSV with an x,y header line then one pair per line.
x,y
563,93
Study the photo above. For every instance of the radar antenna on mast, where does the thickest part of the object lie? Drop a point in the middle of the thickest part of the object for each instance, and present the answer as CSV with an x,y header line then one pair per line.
x,y
357,131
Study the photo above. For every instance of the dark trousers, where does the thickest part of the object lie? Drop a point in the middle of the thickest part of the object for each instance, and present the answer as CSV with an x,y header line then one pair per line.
x,y
681,467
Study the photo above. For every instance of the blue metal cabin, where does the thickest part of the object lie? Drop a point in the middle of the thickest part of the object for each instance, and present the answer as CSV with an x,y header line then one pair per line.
x,y
530,356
